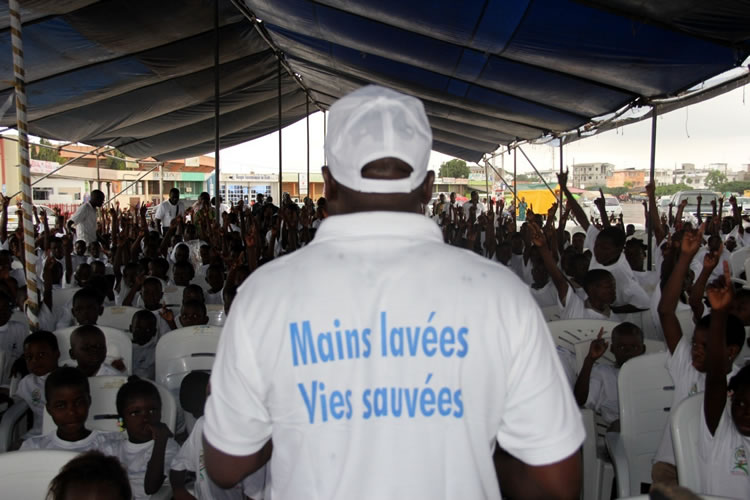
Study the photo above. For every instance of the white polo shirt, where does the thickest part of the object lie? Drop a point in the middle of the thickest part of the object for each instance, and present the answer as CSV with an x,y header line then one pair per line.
x,y
385,386
85,221
165,212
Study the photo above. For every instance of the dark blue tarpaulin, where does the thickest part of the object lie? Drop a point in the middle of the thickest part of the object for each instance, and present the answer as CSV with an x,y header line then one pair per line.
x,y
139,75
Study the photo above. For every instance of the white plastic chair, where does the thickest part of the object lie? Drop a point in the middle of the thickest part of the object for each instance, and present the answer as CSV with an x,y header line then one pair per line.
x,y
184,350
216,316
598,473
13,425
119,345
685,426
118,317
61,296
737,261
173,295
25,475
645,391
744,356
569,332
551,313
103,410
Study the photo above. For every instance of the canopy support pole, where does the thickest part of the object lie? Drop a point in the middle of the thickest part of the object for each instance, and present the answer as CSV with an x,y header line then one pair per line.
x,y
23,156
307,125
98,175
325,155
651,175
281,191
561,171
161,183
217,186
487,181
535,170
512,189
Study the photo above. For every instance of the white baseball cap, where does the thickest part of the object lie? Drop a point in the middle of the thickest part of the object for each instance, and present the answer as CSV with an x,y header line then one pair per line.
x,y
373,123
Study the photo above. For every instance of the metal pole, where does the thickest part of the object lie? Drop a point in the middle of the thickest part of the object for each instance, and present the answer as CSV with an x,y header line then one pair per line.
x,y
23,156
217,188
132,183
161,182
325,156
487,182
279,96
98,176
653,168
307,124
561,171
515,181
512,189
535,170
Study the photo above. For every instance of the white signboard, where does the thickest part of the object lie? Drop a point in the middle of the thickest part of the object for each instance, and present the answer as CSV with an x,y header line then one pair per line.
x,y
43,167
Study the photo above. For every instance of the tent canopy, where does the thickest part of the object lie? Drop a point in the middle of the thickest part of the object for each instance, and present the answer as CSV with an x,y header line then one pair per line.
x,y
139,74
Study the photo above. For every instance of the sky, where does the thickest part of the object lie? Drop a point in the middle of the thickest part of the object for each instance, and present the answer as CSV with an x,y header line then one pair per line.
x,y
713,131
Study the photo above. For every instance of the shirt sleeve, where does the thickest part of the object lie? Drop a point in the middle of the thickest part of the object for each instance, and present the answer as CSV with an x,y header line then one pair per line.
x,y
237,421
536,389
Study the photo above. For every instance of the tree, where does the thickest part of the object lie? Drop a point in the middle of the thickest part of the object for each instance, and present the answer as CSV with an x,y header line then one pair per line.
x,y
670,189
454,168
714,179
689,180
526,178
115,163
39,152
615,191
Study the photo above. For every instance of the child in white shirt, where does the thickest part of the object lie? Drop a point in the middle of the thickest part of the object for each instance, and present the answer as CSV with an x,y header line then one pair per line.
x,y
596,386
92,473
41,353
143,328
88,347
724,439
68,401
149,449
12,335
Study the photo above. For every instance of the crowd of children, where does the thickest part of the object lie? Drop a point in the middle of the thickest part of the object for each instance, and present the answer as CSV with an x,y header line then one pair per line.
x,y
597,273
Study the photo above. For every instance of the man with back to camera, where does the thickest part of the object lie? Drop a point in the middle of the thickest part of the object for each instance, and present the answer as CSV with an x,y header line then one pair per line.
x,y
168,210
373,389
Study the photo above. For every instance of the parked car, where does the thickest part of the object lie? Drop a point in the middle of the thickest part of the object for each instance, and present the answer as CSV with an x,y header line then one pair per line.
x,y
13,216
612,206
691,209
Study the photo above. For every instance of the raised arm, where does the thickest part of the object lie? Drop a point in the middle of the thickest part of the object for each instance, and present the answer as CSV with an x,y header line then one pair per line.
x,y
678,215
653,214
601,205
691,242
540,241
597,348
577,210
4,222
715,398
710,260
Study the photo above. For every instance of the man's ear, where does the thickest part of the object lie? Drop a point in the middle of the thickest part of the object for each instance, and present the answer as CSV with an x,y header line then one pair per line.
x,y
330,186
427,186
733,351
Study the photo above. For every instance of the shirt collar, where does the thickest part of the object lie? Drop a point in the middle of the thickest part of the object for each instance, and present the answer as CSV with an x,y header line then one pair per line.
x,y
385,224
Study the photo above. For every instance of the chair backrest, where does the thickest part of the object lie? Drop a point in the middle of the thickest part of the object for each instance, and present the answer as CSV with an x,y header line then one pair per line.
x,y
184,350
25,475
744,356
645,390
582,349
737,260
569,332
119,345
103,410
61,296
173,295
685,425
118,317
216,315
551,313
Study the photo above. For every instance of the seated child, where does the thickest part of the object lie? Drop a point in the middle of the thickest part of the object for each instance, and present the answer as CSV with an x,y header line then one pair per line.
x,y
79,256
86,307
194,390
686,359
159,268
596,386
150,295
41,353
215,280
12,335
149,449
91,475
193,292
88,347
724,437
183,273
143,329
68,401
542,288
192,313
129,273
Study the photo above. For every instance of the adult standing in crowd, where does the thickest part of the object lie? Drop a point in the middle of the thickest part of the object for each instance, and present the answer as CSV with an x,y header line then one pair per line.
x,y
83,221
168,210
384,384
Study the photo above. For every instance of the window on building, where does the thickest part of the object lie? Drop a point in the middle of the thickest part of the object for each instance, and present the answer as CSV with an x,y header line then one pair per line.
x,y
42,194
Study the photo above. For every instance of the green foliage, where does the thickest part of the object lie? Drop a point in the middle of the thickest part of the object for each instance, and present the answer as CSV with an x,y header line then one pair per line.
x,y
733,187
615,191
45,154
454,168
114,163
714,179
671,189
527,178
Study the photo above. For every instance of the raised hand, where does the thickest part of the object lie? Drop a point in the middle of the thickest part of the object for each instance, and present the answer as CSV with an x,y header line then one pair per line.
x,y
711,259
720,293
650,189
598,346
692,240
167,314
159,431
537,236
562,179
